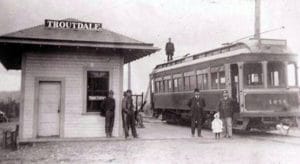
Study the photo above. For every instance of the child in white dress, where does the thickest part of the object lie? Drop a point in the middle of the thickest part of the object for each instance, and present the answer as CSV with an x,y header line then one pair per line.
x,y
217,125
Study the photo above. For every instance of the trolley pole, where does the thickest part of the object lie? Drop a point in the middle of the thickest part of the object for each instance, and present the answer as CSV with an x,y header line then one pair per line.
x,y
257,20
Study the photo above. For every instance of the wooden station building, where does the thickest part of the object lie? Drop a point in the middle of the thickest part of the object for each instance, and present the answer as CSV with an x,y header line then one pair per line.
x,y
68,67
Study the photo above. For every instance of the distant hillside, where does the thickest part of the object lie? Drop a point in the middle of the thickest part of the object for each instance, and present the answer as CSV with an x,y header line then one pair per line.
x,y
13,95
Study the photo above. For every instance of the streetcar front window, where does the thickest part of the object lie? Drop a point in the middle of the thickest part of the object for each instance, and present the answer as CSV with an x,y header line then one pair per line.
x,y
276,77
253,74
291,70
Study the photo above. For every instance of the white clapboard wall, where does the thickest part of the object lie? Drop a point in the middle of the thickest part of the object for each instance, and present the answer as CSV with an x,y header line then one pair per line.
x,y
71,67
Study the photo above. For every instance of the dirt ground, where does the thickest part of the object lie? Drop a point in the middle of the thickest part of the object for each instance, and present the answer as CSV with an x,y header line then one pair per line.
x,y
163,143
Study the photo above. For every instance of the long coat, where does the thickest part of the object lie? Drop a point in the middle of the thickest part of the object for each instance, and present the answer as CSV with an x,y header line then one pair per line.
x,y
196,105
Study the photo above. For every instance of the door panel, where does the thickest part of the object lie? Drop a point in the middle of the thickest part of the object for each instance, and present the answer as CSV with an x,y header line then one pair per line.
x,y
49,105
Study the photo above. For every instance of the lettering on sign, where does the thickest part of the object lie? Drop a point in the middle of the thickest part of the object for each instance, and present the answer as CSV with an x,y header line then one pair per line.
x,y
96,98
65,24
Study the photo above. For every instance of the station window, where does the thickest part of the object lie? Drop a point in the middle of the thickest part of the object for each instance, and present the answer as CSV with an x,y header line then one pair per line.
x,y
97,89
202,80
253,74
291,69
276,76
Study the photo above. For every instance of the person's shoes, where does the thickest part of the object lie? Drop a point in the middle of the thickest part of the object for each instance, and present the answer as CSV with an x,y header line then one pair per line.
x,y
107,135
135,136
200,135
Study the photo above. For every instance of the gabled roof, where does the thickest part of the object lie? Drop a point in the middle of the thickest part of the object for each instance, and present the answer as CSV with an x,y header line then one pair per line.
x,y
103,39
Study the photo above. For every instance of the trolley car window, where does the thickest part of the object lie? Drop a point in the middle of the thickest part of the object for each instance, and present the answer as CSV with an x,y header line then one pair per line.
x,y
187,83
193,84
202,81
156,86
175,82
291,69
276,76
161,86
170,85
180,84
214,80
222,80
253,74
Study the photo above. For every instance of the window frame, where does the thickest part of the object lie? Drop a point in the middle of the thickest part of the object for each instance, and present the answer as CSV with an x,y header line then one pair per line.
x,y
296,75
217,70
245,84
202,73
282,80
84,86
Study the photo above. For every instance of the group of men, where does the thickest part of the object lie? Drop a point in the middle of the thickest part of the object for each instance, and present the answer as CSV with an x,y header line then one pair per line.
x,y
128,114
225,108
196,104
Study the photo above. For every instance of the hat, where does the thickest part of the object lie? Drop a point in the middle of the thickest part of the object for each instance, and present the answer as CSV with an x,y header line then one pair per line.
x,y
128,91
196,90
217,115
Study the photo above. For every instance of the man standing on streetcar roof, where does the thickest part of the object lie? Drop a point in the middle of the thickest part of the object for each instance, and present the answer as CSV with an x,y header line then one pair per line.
x,y
170,50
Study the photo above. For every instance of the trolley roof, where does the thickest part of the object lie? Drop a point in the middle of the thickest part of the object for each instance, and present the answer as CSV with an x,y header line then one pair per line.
x,y
273,46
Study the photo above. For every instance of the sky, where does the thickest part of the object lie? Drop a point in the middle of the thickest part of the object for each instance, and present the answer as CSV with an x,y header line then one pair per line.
x,y
193,25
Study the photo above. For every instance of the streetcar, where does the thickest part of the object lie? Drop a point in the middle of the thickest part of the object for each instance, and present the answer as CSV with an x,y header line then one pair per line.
x,y
260,75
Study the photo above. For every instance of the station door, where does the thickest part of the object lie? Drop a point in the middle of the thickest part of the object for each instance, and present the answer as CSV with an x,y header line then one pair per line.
x,y
49,100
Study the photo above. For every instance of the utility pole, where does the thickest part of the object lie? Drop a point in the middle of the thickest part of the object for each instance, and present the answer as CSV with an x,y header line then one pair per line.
x,y
257,20
129,76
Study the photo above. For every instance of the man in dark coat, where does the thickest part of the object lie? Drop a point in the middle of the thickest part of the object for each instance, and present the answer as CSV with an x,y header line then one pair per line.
x,y
196,104
109,107
170,50
129,117
225,108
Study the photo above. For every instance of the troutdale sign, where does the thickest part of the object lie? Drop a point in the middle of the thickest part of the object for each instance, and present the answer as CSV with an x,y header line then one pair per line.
x,y
66,24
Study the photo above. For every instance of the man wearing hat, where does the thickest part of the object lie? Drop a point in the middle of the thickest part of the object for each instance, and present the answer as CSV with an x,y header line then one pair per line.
x,y
129,119
196,103
225,108
109,106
